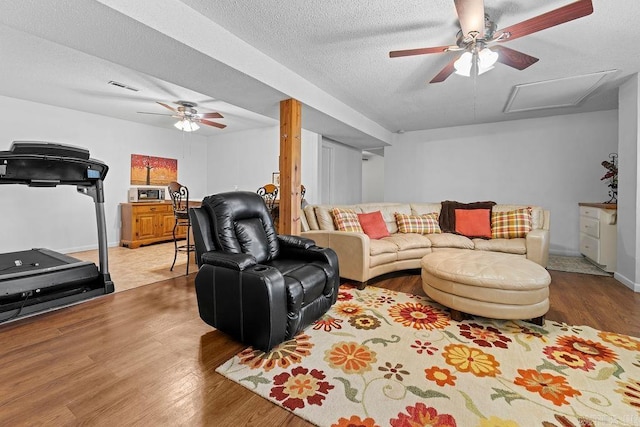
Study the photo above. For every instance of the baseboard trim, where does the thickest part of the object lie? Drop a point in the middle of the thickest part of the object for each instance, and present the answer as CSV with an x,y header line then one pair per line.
x,y
635,287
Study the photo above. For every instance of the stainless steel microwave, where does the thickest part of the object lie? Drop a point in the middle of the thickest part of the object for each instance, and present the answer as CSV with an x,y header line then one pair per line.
x,y
146,194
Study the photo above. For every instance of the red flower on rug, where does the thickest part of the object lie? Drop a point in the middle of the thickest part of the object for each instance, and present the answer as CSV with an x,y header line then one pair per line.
x,y
421,415
284,355
589,348
549,387
484,337
292,389
419,316
355,421
327,323
344,295
364,321
424,347
350,357
572,359
630,392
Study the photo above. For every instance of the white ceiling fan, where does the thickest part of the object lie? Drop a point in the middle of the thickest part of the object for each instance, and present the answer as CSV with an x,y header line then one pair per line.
x,y
188,117
478,33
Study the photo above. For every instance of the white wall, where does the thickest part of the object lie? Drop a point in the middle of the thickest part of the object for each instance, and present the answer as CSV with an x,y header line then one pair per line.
x,y
346,173
246,160
628,268
373,179
553,162
59,218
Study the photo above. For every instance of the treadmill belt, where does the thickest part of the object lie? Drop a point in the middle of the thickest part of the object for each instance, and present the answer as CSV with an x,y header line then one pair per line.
x,y
42,270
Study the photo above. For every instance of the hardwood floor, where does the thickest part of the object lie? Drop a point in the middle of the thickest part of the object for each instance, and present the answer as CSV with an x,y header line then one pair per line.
x,y
144,357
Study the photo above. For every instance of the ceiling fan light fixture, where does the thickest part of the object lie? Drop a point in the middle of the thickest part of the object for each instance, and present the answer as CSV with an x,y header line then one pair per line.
x,y
486,59
463,64
186,125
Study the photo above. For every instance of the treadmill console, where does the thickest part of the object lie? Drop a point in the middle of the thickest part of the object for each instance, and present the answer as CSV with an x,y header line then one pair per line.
x,y
49,149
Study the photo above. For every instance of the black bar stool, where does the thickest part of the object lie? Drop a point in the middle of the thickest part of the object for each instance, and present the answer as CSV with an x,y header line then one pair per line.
x,y
180,200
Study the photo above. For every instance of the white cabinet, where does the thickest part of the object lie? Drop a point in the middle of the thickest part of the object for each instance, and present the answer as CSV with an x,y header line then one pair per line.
x,y
598,234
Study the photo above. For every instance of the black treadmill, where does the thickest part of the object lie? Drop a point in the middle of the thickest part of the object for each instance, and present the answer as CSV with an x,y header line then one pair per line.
x,y
39,279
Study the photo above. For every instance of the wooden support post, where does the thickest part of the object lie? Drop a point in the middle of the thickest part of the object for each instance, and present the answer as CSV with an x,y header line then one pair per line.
x,y
290,159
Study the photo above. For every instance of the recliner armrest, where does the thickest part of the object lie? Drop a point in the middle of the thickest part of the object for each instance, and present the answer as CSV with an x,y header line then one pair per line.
x,y
239,262
296,241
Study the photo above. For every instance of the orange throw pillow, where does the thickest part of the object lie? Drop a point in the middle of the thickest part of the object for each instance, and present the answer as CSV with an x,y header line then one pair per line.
x,y
473,222
373,225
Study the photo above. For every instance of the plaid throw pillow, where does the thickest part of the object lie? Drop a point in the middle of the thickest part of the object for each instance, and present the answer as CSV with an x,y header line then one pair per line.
x,y
346,220
422,224
511,224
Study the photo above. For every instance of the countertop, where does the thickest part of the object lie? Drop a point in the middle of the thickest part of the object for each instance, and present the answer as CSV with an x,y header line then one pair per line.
x,y
599,205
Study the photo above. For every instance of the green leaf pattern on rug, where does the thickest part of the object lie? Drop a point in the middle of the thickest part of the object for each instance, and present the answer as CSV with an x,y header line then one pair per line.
x,y
394,339
349,392
606,372
468,403
551,367
454,338
256,379
425,394
508,395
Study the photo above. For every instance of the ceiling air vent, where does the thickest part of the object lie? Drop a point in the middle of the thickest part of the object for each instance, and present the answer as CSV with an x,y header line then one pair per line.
x,y
122,85
566,92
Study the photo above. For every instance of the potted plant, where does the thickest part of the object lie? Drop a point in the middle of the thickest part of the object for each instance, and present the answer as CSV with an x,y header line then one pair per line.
x,y
612,175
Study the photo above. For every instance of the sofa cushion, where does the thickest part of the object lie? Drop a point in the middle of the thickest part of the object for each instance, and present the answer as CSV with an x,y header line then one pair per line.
x,y
421,224
425,208
373,225
388,211
509,246
382,246
537,214
415,254
450,240
346,220
325,218
448,215
473,222
409,241
381,259
511,224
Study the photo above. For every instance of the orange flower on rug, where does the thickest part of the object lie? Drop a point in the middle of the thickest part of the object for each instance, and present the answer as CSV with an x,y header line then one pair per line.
x,y
385,358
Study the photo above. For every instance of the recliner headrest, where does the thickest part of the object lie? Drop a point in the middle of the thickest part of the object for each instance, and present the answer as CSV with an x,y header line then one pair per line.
x,y
242,224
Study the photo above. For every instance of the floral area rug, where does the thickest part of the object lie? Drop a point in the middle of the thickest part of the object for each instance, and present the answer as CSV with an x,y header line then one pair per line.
x,y
385,358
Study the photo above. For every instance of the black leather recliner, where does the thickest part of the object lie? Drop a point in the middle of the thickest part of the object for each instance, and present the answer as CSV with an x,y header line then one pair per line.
x,y
257,286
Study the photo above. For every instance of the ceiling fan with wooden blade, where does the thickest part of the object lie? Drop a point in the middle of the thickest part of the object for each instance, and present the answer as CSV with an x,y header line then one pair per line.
x,y
478,32
187,113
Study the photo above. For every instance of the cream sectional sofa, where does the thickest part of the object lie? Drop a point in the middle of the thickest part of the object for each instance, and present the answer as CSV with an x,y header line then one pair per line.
x,y
361,258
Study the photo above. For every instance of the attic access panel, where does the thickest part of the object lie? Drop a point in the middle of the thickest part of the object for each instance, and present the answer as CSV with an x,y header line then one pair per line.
x,y
565,92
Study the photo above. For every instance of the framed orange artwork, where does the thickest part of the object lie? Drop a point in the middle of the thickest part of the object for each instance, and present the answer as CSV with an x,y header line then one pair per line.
x,y
150,170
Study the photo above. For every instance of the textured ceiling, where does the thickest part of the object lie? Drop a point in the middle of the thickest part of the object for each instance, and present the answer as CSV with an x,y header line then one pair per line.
x,y
242,57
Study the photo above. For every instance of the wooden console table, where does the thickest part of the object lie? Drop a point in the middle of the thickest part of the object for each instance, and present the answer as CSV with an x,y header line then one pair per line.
x,y
144,223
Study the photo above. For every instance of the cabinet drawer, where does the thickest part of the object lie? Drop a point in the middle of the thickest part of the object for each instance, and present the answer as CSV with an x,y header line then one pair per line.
x,y
590,226
155,208
590,247
590,212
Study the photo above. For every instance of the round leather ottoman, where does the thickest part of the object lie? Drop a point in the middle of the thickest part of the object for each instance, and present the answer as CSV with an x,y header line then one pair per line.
x,y
488,284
